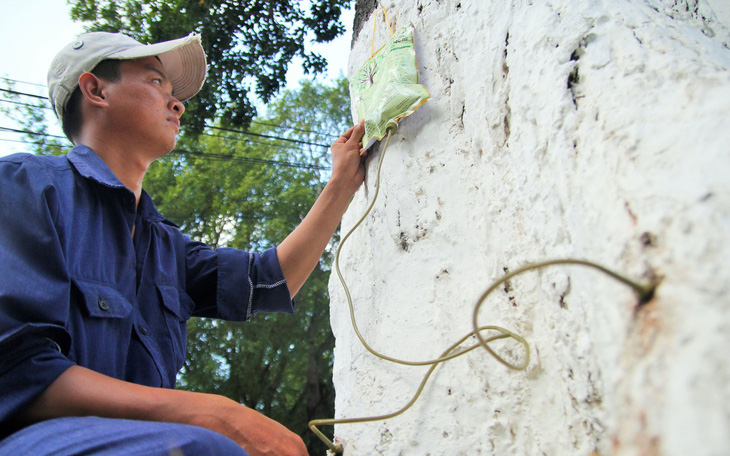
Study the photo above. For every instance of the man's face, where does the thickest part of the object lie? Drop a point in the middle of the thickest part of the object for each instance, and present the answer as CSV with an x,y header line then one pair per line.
x,y
143,107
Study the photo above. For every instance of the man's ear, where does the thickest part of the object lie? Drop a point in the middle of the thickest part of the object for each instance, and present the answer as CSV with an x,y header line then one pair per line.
x,y
93,89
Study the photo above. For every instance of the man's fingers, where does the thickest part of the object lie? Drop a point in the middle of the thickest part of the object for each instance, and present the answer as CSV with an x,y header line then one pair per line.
x,y
356,131
346,135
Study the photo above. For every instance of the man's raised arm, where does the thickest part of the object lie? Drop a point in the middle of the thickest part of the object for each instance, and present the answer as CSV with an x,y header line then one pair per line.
x,y
301,250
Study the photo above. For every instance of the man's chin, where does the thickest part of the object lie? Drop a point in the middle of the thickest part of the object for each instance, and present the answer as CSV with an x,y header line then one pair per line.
x,y
165,151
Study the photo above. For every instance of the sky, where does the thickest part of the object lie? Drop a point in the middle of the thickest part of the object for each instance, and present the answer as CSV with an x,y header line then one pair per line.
x,y
33,31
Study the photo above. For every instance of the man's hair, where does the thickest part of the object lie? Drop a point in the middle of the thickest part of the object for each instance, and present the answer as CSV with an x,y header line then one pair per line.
x,y
72,119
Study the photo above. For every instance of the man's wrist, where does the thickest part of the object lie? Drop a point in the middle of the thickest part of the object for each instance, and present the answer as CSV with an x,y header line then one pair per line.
x,y
340,188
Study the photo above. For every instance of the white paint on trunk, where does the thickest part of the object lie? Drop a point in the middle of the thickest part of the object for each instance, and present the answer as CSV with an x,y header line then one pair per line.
x,y
557,128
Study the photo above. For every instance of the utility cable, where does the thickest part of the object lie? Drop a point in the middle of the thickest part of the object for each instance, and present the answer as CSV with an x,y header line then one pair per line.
x,y
247,140
301,130
25,104
203,155
261,135
253,141
264,161
644,292
32,133
24,82
229,130
25,94
268,124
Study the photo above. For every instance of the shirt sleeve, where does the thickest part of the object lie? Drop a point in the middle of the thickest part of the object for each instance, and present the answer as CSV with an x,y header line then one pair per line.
x,y
232,284
34,288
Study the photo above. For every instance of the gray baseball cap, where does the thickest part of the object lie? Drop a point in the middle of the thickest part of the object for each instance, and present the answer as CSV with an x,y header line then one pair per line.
x,y
183,60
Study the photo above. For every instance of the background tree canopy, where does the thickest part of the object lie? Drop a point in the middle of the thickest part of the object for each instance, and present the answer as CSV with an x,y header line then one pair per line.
x,y
249,43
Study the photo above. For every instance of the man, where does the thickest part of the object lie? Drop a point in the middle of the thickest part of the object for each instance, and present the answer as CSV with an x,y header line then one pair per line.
x,y
97,285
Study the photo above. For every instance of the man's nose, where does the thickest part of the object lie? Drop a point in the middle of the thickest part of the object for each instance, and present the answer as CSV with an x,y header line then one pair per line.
x,y
176,106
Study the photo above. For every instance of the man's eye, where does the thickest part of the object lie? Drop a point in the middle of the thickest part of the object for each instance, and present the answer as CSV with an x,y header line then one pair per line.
x,y
158,81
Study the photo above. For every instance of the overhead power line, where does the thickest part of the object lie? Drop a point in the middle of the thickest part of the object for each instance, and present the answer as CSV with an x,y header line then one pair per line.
x,y
301,130
283,146
229,157
24,104
260,135
253,141
25,94
230,130
25,82
20,141
268,124
32,133
204,155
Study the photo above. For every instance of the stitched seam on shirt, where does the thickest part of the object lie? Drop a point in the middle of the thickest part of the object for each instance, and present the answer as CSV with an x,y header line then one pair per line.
x,y
251,287
273,285
58,347
42,167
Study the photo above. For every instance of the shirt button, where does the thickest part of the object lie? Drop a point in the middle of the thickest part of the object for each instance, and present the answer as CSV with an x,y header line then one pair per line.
x,y
143,330
103,304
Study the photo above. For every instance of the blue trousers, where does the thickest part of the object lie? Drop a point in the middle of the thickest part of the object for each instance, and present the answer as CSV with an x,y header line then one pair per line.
x,y
75,436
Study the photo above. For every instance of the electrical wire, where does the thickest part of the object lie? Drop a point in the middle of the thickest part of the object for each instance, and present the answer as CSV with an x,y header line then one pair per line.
x,y
204,155
644,292
253,141
301,130
268,124
247,140
25,94
24,82
230,130
261,135
25,104
228,157
19,141
32,133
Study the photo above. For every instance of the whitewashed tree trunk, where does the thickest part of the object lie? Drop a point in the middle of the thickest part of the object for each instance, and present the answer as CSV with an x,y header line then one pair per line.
x,y
557,128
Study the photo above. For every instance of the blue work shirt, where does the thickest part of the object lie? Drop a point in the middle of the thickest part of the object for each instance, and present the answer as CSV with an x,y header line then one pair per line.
x,y
76,288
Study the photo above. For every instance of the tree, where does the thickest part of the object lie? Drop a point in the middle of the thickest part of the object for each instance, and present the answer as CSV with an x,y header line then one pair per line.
x,y
249,44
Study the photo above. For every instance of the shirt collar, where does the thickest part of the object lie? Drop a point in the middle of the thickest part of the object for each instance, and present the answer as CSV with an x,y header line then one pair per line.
x,y
147,209
91,166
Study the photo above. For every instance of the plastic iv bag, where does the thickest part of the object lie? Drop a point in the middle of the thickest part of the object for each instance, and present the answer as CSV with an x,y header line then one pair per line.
x,y
386,88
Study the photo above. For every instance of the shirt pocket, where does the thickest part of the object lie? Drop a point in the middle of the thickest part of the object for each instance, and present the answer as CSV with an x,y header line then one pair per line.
x,y
176,314
175,301
102,301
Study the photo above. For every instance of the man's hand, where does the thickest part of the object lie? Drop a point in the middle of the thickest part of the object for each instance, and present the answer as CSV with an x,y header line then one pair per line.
x,y
83,392
254,432
348,159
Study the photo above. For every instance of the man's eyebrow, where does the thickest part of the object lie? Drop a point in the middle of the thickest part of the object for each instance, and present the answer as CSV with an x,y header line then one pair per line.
x,y
156,70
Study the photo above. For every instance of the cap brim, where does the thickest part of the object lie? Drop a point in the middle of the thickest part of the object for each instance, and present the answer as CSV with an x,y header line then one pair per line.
x,y
183,60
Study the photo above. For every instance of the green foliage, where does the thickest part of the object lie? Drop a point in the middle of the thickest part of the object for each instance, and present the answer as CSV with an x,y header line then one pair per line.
x,y
31,112
249,43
